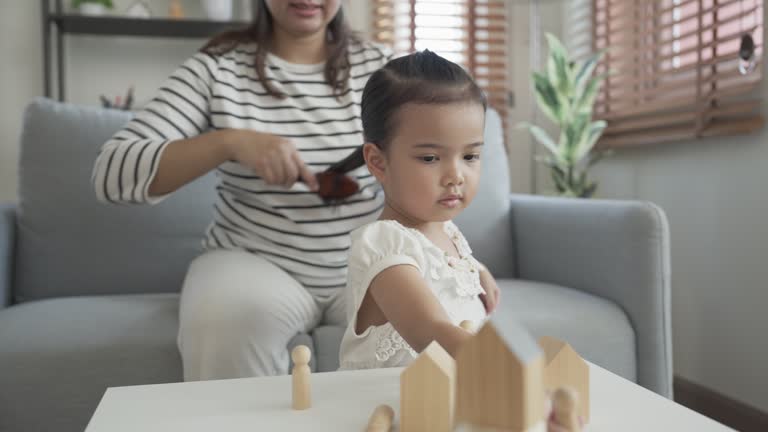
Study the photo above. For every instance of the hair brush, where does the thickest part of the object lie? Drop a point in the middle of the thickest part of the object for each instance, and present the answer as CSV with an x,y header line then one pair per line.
x,y
334,186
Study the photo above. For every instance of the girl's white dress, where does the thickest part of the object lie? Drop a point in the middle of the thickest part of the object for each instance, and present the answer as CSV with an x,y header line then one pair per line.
x,y
383,244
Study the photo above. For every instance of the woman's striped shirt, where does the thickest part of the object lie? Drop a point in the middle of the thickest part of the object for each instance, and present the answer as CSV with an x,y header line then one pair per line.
x,y
291,227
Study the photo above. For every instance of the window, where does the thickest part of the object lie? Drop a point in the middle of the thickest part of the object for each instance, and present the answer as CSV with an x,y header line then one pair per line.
x,y
675,70
471,33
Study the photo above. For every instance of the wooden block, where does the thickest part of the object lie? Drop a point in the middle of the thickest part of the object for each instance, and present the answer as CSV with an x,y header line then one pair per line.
x,y
499,378
564,367
427,389
301,375
381,419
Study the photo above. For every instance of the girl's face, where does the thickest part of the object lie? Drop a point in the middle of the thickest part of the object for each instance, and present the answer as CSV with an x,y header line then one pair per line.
x,y
303,17
431,167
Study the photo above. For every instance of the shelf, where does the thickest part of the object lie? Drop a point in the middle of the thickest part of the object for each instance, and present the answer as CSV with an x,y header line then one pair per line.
x,y
142,27
56,24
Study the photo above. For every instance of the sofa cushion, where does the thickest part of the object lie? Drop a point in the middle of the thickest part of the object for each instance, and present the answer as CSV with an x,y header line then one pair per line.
x,y
598,329
72,349
69,243
327,343
485,223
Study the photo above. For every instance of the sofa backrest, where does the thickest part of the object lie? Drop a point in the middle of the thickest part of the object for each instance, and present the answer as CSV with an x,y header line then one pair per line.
x,y
68,243
486,223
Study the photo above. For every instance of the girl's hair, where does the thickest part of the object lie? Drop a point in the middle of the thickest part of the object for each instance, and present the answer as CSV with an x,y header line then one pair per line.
x,y
260,31
420,78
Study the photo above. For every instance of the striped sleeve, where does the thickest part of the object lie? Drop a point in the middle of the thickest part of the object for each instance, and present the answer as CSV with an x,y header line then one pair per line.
x,y
128,161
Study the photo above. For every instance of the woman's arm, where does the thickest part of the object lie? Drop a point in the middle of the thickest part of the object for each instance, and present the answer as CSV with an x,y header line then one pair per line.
x,y
168,144
407,302
187,159
179,112
271,157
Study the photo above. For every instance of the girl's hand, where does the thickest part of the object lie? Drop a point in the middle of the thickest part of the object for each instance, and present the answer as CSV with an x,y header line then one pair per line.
x,y
273,158
492,293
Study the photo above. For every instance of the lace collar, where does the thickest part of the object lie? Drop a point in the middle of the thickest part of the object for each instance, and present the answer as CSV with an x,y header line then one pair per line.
x,y
465,270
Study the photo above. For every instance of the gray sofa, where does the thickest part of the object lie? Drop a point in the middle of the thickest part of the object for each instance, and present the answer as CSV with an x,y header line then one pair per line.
x,y
89,292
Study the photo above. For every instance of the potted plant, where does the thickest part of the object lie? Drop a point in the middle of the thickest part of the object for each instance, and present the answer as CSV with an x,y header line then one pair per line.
x,y
92,7
565,93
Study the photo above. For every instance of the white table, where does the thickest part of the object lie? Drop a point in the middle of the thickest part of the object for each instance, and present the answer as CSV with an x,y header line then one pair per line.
x,y
343,401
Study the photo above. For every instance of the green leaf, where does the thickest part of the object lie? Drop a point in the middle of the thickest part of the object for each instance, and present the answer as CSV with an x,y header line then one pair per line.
x,y
542,137
557,66
543,159
585,71
575,133
559,179
547,98
585,100
589,139
562,145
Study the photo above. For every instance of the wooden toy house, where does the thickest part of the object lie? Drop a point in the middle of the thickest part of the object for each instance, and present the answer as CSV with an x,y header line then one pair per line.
x,y
564,367
427,389
499,378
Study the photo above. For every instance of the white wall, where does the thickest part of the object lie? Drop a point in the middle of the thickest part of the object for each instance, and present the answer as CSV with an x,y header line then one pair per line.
x,y
716,197
715,194
20,79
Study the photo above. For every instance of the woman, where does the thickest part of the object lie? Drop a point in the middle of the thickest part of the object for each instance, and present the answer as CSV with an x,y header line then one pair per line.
x,y
268,108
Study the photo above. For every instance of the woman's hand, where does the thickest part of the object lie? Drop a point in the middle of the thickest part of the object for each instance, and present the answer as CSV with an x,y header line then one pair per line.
x,y
273,158
492,293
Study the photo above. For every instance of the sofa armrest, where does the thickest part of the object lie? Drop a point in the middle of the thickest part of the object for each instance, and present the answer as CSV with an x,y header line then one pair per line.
x,y
618,250
7,251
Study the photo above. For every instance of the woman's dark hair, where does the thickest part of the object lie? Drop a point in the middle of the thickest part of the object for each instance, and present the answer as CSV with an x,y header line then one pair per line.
x,y
420,78
261,30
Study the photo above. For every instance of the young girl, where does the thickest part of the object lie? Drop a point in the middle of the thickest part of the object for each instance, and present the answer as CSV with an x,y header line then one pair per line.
x,y
412,278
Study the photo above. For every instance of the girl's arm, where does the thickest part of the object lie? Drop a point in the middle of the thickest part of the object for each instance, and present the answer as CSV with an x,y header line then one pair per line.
x,y
492,292
407,302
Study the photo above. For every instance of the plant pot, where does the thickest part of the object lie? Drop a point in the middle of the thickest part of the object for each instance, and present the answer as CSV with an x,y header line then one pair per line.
x,y
218,10
92,9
